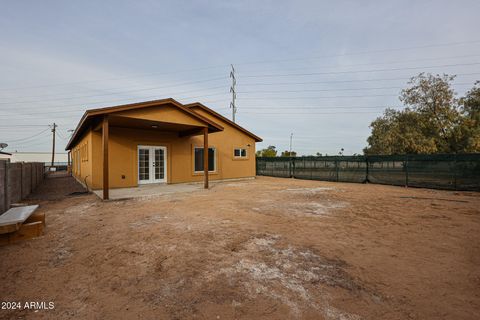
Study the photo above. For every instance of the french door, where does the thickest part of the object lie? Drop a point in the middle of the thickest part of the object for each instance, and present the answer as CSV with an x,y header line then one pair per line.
x,y
152,164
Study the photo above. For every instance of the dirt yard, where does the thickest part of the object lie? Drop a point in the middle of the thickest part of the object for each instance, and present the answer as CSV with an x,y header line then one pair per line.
x,y
268,248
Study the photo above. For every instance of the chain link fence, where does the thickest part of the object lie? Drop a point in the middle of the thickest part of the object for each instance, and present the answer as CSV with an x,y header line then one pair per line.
x,y
438,171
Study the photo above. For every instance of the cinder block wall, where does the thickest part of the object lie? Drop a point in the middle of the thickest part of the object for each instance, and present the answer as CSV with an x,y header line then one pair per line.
x,y
18,180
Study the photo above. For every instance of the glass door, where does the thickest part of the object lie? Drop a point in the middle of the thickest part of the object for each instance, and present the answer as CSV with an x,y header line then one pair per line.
x,y
143,165
159,164
152,164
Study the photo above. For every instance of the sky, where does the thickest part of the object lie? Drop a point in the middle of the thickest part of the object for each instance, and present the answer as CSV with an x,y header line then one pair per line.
x,y
322,70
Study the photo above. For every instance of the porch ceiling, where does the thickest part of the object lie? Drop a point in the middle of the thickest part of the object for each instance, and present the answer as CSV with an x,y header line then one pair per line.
x,y
159,126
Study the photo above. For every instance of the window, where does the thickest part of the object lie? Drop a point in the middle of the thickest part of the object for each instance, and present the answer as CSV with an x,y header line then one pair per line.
x,y
240,153
199,159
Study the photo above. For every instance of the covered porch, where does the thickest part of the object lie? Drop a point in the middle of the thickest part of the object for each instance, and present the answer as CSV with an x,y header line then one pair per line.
x,y
153,157
132,145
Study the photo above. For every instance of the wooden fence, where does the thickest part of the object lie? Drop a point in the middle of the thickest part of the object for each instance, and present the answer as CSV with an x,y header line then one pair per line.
x,y
18,180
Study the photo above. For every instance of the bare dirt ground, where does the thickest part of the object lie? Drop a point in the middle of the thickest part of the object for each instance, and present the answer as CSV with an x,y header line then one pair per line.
x,y
269,248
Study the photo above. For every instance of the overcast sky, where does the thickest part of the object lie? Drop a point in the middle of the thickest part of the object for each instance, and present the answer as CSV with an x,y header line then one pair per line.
x,y
322,70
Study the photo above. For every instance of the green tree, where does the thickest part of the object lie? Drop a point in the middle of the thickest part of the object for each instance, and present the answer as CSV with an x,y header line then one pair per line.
x,y
433,120
289,154
468,132
270,151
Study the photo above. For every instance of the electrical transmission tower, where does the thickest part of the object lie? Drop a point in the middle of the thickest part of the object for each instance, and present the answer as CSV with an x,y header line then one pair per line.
x,y
234,94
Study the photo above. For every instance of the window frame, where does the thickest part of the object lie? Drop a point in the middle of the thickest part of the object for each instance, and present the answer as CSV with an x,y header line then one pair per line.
x,y
240,157
214,160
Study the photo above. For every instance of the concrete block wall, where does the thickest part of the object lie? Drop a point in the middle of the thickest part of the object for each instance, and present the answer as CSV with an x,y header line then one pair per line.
x,y
18,180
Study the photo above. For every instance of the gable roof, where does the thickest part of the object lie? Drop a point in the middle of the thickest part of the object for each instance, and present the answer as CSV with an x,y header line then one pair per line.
x,y
230,122
89,115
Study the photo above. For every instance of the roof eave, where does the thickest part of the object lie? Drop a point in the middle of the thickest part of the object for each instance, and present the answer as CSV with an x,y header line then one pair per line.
x,y
207,109
108,110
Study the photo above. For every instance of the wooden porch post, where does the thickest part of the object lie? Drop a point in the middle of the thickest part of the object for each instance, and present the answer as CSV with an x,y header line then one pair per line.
x,y
105,156
69,167
205,157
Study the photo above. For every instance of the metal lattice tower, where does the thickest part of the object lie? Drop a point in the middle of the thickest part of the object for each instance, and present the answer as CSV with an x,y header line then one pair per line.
x,y
234,94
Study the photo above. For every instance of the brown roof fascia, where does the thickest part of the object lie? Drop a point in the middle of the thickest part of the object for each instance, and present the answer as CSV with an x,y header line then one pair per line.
x,y
107,110
214,113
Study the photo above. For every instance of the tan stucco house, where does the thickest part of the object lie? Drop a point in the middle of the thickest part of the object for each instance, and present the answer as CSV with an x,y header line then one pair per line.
x,y
159,141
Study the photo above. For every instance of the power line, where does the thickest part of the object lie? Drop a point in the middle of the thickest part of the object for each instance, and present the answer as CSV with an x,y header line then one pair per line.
x,y
223,78
29,137
270,61
340,81
137,98
309,113
328,90
317,107
364,52
357,71
61,136
125,91
21,125
83,109
323,97
89,96
46,109
97,80
384,63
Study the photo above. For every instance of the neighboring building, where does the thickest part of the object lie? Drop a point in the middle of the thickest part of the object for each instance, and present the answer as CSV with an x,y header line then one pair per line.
x,y
159,141
5,155
45,157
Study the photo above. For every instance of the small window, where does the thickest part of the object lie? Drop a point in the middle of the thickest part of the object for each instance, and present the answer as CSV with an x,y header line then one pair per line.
x,y
240,153
199,159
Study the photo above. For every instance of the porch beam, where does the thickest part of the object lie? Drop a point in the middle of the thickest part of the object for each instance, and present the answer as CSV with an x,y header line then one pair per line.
x,y
205,157
190,132
105,156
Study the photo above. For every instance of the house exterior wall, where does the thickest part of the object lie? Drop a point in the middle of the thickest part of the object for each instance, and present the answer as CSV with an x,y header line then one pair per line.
x,y
164,114
226,141
123,157
82,162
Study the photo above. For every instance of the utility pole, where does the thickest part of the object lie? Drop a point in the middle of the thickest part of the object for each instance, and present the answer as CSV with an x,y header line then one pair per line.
x,y
234,94
54,127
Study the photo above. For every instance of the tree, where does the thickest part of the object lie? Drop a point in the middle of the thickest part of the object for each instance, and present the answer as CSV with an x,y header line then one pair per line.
x,y
270,151
468,132
433,121
289,154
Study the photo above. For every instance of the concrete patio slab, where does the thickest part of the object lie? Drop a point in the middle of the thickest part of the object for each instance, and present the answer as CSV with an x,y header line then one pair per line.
x,y
151,190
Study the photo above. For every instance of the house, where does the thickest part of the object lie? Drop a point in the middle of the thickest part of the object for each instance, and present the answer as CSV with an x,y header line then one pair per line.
x,y
5,155
159,141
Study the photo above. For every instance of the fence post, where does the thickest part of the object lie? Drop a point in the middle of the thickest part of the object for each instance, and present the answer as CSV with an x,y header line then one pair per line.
x,y
406,170
336,169
455,171
31,178
292,167
21,180
367,170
